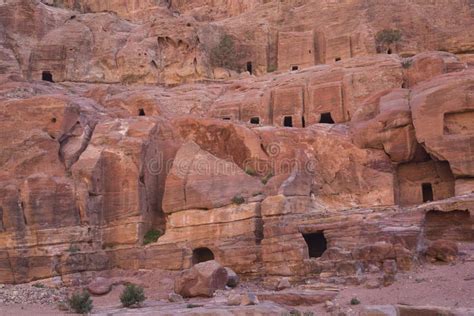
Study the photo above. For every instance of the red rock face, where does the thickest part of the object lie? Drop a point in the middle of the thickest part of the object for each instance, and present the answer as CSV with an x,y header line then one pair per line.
x,y
326,170
450,120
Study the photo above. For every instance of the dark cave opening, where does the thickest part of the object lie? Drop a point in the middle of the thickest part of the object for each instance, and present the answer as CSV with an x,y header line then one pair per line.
x,y
202,255
317,244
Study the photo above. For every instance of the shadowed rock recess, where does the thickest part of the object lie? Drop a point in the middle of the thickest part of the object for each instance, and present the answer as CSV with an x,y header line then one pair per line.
x,y
270,136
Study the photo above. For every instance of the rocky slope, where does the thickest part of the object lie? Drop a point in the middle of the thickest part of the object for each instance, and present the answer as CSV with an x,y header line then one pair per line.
x,y
115,122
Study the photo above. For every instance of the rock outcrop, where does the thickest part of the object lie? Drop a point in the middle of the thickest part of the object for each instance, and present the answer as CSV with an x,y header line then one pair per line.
x,y
199,180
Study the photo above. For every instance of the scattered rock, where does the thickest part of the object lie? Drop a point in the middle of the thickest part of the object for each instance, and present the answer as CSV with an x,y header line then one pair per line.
x,y
373,284
175,298
329,306
404,258
388,279
372,268
469,278
234,299
442,250
249,299
31,294
390,267
283,284
232,278
221,73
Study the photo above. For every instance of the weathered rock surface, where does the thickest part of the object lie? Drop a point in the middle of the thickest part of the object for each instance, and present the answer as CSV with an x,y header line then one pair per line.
x,y
390,310
199,180
295,298
447,133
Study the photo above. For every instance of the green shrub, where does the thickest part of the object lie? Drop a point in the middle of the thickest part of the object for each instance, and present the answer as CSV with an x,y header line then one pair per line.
x,y
39,285
406,63
227,54
151,236
63,306
295,312
132,295
267,177
238,199
355,301
271,68
385,38
191,305
80,303
224,54
388,36
73,248
250,171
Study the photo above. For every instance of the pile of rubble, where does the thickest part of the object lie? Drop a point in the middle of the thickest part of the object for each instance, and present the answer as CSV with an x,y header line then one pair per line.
x,y
31,294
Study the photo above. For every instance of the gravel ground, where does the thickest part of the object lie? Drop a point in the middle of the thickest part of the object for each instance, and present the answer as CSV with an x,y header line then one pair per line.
x,y
31,294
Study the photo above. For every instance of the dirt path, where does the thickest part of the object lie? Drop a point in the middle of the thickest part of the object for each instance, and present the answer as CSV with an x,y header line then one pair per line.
x,y
28,310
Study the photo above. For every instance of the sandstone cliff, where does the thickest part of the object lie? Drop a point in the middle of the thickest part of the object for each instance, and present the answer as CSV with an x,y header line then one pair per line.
x,y
114,122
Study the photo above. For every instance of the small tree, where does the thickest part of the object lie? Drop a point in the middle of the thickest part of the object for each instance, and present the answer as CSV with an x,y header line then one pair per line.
x,y
228,55
132,295
151,236
238,199
80,303
386,38
224,54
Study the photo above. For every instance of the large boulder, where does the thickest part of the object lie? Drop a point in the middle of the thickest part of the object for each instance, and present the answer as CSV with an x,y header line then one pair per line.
x,y
442,250
203,279
100,286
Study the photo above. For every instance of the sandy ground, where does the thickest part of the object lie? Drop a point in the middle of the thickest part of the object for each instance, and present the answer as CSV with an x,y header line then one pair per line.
x,y
436,285
28,310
